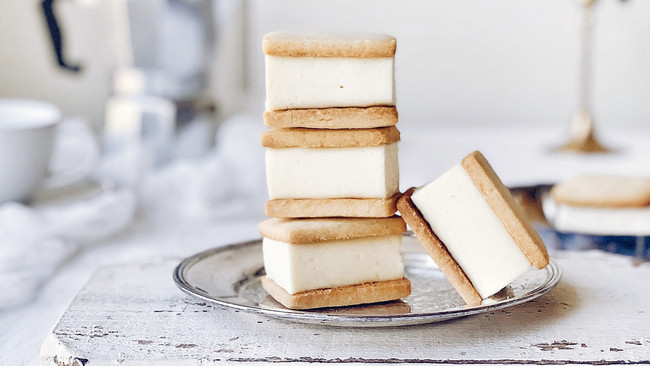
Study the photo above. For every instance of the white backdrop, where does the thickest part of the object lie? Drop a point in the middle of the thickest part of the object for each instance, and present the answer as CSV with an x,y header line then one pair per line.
x,y
466,62
488,62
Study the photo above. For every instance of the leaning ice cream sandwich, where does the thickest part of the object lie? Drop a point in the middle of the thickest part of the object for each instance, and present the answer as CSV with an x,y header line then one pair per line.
x,y
323,70
331,173
313,263
469,223
601,205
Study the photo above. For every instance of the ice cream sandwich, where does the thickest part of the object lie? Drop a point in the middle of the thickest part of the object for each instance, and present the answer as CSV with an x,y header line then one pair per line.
x,y
323,70
312,263
469,223
332,173
600,205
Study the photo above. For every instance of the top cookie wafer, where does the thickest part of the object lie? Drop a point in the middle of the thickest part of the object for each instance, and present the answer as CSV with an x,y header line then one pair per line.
x,y
305,231
362,45
603,191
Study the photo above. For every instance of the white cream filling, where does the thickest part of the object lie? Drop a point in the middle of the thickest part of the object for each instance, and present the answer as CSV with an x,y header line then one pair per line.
x,y
321,82
473,234
303,267
353,172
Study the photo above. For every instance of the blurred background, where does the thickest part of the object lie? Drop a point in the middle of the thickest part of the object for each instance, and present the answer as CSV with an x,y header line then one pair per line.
x,y
459,62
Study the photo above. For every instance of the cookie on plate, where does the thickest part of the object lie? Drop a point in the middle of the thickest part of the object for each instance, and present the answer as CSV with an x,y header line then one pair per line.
x,y
324,70
331,173
469,223
313,263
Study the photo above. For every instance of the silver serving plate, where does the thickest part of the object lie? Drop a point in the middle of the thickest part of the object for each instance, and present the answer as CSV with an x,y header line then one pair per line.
x,y
229,276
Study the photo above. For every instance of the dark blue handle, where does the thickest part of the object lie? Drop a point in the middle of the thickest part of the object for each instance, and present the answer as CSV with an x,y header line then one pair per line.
x,y
55,33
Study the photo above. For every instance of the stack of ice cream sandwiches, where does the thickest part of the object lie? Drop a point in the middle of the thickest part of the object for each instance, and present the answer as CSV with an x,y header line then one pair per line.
x,y
333,238
332,171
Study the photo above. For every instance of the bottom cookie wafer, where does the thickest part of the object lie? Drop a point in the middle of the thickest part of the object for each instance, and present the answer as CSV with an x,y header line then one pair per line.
x,y
364,293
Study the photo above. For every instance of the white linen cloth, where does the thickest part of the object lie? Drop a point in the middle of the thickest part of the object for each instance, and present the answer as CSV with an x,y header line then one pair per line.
x,y
35,240
227,183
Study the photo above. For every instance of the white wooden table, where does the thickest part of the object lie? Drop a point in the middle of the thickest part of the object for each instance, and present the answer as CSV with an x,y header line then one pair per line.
x,y
134,314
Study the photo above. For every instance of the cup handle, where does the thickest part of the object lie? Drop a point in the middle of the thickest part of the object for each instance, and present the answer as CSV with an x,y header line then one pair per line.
x,y
82,149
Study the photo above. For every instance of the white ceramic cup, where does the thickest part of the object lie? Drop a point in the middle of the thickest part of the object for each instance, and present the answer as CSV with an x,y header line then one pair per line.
x,y
28,129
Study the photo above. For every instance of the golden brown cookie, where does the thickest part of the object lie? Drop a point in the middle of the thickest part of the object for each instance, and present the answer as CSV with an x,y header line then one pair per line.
x,y
305,231
305,137
332,207
364,293
364,45
332,118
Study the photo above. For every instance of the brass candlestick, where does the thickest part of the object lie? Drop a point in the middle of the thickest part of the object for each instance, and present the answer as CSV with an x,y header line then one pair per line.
x,y
582,137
